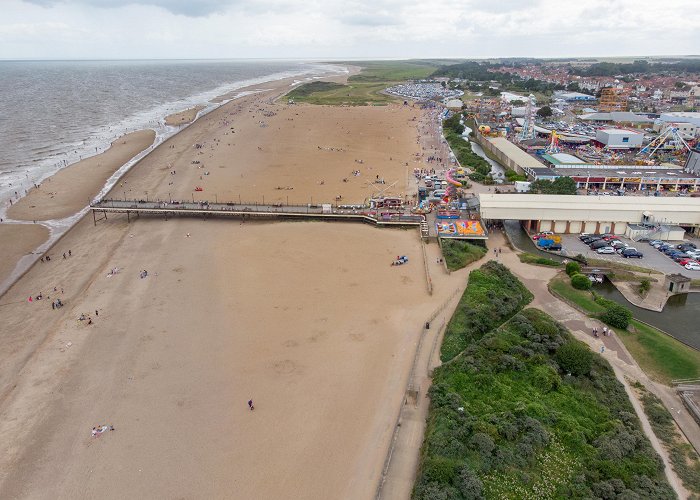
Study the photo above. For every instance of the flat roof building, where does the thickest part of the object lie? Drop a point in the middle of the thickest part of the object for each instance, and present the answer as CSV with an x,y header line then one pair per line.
x,y
616,138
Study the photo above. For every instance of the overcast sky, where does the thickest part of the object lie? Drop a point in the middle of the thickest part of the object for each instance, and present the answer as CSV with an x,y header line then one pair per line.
x,y
323,29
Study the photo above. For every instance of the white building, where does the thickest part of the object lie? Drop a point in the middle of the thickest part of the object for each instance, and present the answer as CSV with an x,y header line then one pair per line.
x,y
681,116
685,129
617,138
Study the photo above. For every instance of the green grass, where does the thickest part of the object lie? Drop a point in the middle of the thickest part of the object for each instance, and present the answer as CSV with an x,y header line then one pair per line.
x,y
506,422
684,459
660,356
538,260
617,266
584,299
364,88
459,253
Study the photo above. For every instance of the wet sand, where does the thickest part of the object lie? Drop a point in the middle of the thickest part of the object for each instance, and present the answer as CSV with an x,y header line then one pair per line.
x,y
71,188
308,319
183,117
16,241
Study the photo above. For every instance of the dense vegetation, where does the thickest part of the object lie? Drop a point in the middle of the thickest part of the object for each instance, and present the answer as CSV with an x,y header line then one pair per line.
x,y
473,71
614,314
492,296
560,185
640,66
684,459
463,151
507,421
303,91
460,253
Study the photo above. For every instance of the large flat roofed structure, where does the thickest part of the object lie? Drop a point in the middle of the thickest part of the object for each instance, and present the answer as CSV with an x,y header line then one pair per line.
x,y
591,214
512,156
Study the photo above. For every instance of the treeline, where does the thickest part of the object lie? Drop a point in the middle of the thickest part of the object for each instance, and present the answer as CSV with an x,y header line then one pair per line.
x,y
528,412
462,149
639,67
485,72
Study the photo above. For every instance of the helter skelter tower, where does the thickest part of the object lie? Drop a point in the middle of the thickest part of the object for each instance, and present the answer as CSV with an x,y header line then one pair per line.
x,y
528,131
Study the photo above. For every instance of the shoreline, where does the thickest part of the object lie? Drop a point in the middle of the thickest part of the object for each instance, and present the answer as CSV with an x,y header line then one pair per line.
x,y
59,227
183,117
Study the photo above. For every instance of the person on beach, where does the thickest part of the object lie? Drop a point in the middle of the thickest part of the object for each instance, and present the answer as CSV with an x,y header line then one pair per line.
x,y
605,331
250,405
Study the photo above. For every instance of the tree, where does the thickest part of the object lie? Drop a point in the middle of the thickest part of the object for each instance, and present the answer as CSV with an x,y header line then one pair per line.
x,y
573,268
544,112
616,315
580,282
575,357
560,185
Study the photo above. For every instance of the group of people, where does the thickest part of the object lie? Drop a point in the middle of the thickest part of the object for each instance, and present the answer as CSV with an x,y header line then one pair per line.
x,y
606,331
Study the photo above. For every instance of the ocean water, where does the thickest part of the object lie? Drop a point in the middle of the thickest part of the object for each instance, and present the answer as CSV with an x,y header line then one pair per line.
x,y
52,113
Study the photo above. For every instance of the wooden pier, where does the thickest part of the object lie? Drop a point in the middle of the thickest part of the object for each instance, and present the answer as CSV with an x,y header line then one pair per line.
x,y
203,209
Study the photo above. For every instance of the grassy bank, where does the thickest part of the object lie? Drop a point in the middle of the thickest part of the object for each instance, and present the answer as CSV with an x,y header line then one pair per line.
x,y
618,267
538,260
684,459
364,88
459,254
530,413
492,296
660,356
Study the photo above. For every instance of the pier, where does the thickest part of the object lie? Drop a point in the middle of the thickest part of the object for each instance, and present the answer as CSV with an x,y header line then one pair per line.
x,y
205,209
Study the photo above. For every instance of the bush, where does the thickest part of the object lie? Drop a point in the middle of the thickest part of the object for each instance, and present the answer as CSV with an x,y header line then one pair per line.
x,y
616,315
573,268
459,253
644,286
580,282
575,357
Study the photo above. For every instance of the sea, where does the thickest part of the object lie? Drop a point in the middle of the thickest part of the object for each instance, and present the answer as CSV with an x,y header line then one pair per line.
x,y
53,113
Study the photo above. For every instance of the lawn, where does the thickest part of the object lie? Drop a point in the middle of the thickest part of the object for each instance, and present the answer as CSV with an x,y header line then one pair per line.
x,y
538,260
561,285
459,254
660,356
364,88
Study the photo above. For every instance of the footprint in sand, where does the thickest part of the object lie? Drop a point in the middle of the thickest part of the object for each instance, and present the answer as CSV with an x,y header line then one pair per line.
x,y
285,367
290,343
406,280
357,337
320,335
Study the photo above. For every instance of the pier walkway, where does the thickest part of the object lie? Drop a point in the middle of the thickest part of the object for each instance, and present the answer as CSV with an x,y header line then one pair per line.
x,y
205,209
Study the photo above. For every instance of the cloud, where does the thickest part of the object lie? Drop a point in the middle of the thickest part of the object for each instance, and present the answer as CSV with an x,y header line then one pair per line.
x,y
191,8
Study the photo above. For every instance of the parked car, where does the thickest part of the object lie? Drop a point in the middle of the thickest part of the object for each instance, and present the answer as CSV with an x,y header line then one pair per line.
x,y
542,234
439,193
617,244
591,239
620,250
555,247
610,238
692,267
631,253
680,256
655,242
598,244
683,262
685,247
605,250
584,235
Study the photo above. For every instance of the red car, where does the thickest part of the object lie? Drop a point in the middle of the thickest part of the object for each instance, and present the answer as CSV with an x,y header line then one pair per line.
x,y
683,262
610,238
542,235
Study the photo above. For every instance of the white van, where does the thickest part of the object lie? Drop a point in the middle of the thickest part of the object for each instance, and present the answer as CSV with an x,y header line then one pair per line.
x,y
439,193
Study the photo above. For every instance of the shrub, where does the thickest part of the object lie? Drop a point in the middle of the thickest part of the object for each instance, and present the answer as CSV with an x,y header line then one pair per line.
x,y
580,282
644,286
616,315
575,357
469,484
573,268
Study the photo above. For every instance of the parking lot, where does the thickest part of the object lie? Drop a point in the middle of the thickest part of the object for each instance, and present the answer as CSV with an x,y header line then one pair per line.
x,y
653,259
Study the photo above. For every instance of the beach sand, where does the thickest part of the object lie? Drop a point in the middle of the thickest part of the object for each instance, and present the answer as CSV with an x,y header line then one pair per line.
x,y
183,117
307,319
69,190
16,241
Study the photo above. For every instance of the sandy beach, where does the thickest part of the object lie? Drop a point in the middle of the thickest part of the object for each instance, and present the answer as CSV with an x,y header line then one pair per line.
x,y
69,190
307,319
183,117
16,241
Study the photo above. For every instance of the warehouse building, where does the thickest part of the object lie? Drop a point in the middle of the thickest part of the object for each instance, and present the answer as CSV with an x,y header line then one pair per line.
x,y
617,138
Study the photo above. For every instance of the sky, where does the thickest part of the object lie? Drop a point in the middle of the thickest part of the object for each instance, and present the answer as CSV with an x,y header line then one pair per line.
x,y
337,29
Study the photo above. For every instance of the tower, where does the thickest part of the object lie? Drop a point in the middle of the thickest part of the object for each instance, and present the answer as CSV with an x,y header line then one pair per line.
x,y
528,131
